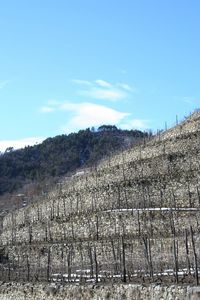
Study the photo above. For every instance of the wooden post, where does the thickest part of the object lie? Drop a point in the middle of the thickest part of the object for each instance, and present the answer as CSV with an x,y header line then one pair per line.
x,y
176,119
123,259
189,194
69,264
198,195
28,267
195,256
97,227
96,266
9,268
187,251
64,206
147,251
175,249
139,226
114,257
150,259
91,261
30,234
48,264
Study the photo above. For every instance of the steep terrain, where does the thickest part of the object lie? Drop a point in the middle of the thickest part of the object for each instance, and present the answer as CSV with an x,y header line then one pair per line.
x,y
132,218
62,155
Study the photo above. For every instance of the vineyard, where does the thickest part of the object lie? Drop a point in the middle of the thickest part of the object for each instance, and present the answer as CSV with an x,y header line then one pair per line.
x,y
135,217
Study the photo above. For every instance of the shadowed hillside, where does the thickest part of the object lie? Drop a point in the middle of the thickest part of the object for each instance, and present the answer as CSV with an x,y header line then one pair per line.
x,y
61,155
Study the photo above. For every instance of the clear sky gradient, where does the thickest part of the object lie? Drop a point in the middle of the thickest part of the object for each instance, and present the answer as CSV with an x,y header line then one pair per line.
x,y
66,65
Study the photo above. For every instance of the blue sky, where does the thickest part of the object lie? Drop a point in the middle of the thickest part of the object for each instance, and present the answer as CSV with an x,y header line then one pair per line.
x,y
72,64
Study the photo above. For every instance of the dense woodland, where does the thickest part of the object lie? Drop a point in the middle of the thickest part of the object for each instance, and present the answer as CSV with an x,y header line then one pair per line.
x,y
62,155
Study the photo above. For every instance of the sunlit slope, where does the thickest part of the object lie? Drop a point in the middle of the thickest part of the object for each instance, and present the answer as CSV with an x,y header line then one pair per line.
x,y
133,216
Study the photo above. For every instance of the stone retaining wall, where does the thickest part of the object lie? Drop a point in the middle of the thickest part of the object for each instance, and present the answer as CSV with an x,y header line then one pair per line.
x,y
19,291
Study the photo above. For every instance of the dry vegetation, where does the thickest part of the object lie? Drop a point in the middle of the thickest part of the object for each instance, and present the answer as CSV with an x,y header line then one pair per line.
x,y
132,218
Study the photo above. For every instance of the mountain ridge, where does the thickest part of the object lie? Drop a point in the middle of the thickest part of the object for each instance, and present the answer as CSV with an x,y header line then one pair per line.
x,y
61,156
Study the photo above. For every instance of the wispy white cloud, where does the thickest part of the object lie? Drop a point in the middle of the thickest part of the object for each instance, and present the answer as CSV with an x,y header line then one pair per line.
x,y
127,87
51,106
89,114
81,82
103,83
135,124
86,114
18,144
103,90
112,94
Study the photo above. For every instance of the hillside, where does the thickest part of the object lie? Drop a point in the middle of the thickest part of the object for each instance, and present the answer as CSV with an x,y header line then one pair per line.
x,y
62,155
132,218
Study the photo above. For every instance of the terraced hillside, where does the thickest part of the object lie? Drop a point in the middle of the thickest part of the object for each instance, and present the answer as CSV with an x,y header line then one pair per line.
x,y
133,218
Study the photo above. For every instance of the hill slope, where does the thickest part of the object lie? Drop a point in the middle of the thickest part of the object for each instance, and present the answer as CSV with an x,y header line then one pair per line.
x,y
61,155
132,218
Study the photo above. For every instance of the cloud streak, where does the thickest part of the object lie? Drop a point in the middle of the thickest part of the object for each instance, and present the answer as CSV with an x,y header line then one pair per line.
x,y
105,94
81,82
103,83
103,90
135,124
90,114
86,114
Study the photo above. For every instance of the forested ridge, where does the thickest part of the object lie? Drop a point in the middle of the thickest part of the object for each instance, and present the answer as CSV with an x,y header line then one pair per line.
x,y
62,155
